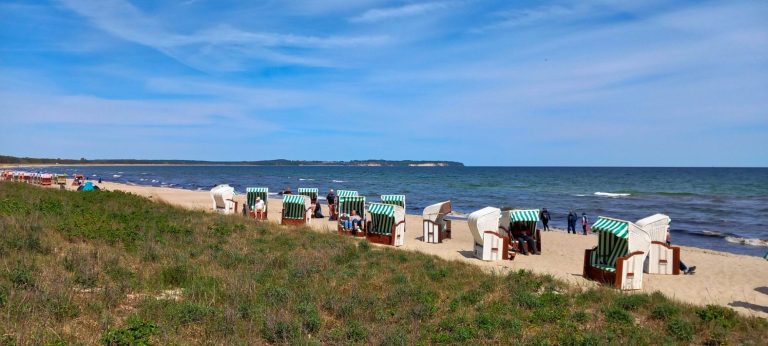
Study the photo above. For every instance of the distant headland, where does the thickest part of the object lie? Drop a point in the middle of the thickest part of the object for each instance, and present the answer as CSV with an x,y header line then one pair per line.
x,y
12,160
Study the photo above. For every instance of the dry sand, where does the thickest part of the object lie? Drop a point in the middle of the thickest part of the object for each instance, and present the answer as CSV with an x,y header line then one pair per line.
x,y
738,281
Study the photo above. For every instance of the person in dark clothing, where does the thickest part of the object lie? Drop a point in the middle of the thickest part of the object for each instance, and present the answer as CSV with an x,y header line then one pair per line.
x,y
572,222
544,217
318,214
331,200
683,268
100,181
522,233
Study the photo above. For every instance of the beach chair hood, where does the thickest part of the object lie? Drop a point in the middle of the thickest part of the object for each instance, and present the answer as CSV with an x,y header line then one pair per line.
x,y
486,219
657,226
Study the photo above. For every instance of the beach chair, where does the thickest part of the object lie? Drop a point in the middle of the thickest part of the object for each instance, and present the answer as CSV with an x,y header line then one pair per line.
x,y
223,199
250,200
489,244
46,179
387,224
435,228
312,193
346,205
662,258
618,258
529,218
297,210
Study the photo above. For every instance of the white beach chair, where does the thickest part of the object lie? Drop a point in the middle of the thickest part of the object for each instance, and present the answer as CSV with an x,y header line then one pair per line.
x,y
662,258
223,199
434,226
618,258
489,244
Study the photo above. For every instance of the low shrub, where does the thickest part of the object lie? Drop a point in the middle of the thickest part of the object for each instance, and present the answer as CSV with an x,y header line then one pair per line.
x,y
135,332
680,329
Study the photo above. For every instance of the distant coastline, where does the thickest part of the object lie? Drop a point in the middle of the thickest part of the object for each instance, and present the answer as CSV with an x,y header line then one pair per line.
x,y
12,161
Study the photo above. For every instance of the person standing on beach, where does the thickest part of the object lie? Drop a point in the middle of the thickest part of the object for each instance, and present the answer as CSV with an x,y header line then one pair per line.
x,y
331,200
572,222
544,217
584,223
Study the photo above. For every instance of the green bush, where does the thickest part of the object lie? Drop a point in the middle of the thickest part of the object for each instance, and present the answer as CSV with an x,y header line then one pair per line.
x,y
718,314
136,332
664,311
616,314
22,276
680,329
631,301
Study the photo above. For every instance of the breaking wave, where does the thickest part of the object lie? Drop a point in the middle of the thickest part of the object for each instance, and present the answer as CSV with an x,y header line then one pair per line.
x,y
612,195
747,241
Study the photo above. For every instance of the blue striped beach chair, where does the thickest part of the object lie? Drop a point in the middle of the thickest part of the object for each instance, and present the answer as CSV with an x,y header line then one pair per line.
x,y
387,225
297,210
250,200
434,227
347,204
662,258
618,258
528,218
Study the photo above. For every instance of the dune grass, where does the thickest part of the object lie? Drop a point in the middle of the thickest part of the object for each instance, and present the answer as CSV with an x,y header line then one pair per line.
x,y
117,269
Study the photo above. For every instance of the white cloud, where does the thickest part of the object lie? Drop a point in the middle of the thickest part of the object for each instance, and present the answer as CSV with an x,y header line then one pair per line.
x,y
379,14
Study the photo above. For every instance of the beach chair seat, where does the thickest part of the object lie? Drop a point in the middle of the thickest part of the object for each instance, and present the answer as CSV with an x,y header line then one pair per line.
x,y
529,218
387,224
662,258
489,244
346,204
250,201
223,197
435,227
619,255
297,210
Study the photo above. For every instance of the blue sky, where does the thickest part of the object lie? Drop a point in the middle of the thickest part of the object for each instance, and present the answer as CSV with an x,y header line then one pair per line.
x,y
483,82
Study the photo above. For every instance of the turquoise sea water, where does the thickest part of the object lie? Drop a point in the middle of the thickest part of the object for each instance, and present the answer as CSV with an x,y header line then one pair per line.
x,y
723,209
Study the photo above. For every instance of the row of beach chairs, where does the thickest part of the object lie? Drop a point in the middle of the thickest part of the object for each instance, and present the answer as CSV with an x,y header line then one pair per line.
x,y
45,179
625,250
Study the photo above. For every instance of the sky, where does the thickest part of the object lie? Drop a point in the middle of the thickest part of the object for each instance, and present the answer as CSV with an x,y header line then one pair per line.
x,y
500,83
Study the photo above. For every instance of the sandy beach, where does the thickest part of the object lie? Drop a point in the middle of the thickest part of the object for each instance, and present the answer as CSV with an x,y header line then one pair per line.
x,y
737,281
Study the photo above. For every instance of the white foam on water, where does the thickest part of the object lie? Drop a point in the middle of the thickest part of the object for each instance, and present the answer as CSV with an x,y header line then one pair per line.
x,y
155,181
610,194
116,175
580,195
302,179
747,241
338,181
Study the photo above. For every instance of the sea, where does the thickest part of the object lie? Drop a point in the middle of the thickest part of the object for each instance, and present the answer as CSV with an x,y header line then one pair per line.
x,y
723,209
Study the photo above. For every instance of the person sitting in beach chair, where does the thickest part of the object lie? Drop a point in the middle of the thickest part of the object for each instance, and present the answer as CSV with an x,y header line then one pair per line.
x,y
353,222
522,233
618,258
489,244
256,202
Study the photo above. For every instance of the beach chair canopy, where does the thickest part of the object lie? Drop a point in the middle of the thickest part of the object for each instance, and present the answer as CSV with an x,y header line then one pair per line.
x,y
295,206
252,192
384,216
311,192
394,199
657,226
529,216
345,193
617,238
436,211
349,203
486,219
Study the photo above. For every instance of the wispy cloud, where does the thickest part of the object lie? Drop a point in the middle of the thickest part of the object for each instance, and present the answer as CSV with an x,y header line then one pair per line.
x,y
409,10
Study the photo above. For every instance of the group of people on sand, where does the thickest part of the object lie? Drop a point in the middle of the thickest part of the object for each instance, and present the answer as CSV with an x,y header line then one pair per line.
x,y
572,219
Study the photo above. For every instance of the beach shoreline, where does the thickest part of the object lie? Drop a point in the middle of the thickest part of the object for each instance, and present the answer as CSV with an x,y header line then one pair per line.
x,y
722,278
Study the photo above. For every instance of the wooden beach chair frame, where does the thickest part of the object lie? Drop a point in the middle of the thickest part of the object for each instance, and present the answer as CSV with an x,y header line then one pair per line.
x,y
662,258
297,210
387,224
619,256
250,201
530,217
435,228
345,205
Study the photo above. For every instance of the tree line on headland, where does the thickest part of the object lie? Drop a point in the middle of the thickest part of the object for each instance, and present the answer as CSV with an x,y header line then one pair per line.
x,y
279,162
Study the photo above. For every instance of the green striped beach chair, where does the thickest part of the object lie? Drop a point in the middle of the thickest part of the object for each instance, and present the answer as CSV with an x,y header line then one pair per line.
x,y
387,225
398,200
618,258
250,200
310,192
297,210
528,217
662,258
346,205
434,227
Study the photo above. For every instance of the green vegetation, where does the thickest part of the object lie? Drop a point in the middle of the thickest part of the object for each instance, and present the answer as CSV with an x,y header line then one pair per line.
x,y
280,162
116,269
